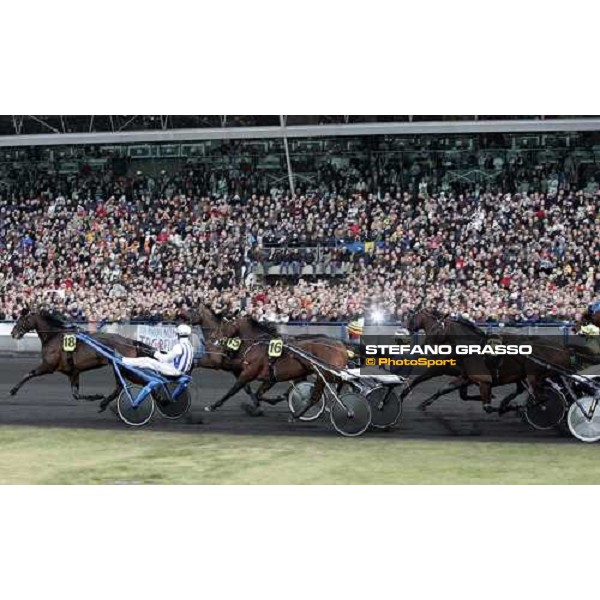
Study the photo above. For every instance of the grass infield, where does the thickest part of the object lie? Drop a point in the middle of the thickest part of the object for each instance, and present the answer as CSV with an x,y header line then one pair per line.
x,y
33,455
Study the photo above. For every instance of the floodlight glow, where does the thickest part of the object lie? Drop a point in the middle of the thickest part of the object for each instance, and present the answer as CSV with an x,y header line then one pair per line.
x,y
377,316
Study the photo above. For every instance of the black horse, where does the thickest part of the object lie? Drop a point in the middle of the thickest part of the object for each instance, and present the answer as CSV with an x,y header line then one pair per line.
x,y
475,369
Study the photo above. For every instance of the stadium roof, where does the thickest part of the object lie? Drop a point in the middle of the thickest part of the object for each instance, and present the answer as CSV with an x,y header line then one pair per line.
x,y
61,124
40,130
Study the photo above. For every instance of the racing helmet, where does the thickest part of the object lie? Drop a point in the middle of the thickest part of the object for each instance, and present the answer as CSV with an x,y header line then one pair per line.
x,y
183,330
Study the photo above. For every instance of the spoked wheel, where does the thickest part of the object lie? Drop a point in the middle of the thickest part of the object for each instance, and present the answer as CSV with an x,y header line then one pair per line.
x,y
546,409
298,398
584,425
351,414
385,407
136,416
172,408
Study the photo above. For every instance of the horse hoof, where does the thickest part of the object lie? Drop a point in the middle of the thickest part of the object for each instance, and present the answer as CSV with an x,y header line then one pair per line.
x,y
190,420
423,407
489,409
209,409
253,411
274,401
13,392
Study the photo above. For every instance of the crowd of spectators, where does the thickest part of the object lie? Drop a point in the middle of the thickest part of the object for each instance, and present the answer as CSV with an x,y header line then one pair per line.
x,y
96,246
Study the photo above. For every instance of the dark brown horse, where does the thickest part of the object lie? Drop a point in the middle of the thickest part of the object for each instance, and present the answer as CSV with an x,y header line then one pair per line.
x,y
425,319
508,369
221,355
257,365
217,353
50,330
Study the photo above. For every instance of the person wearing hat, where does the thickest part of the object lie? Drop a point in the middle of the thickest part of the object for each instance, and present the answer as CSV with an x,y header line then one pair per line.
x,y
355,328
591,333
174,363
594,312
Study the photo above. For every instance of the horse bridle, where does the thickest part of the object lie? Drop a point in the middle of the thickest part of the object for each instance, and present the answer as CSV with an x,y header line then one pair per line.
x,y
439,320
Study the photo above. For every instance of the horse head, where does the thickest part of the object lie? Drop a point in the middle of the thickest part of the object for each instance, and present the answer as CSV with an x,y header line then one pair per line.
x,y
231,329
187,315
26,322
423,318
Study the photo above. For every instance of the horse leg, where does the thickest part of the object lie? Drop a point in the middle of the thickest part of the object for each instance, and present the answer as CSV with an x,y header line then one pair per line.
x,y
42,369
314,398
468,397
411,385
250,393
244,378
247,388
485,389
505,404
112,396
457,385
267,385
254,409
263,389
74,379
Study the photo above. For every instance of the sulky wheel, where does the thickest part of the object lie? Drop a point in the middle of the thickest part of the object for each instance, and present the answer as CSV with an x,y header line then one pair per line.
x,y
385,407
546,409
351,414
584,424
172,408
298,398
138,415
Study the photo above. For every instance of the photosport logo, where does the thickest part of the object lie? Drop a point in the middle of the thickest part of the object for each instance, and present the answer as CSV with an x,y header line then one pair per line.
x,y
403,356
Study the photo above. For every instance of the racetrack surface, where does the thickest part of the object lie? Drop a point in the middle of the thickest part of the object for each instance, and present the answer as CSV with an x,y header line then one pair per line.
x,y
47,401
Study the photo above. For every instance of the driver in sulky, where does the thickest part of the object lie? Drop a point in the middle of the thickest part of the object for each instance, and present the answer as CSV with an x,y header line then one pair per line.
x,y
172,364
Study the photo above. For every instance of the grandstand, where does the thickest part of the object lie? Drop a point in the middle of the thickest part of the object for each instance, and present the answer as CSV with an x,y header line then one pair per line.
x,y
300,218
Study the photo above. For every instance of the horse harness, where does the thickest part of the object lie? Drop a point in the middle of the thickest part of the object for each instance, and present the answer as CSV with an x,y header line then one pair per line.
x,y
275,351
69,345
232,346
492,361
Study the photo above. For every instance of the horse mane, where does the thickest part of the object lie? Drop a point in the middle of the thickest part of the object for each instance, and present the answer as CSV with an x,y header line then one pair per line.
x,y
264,326
55,319
468,325
218,316
435,312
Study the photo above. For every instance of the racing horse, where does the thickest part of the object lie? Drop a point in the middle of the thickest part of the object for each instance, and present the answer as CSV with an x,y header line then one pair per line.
x,y
219,355
426,319
258,364
476,369
55,357
225,350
